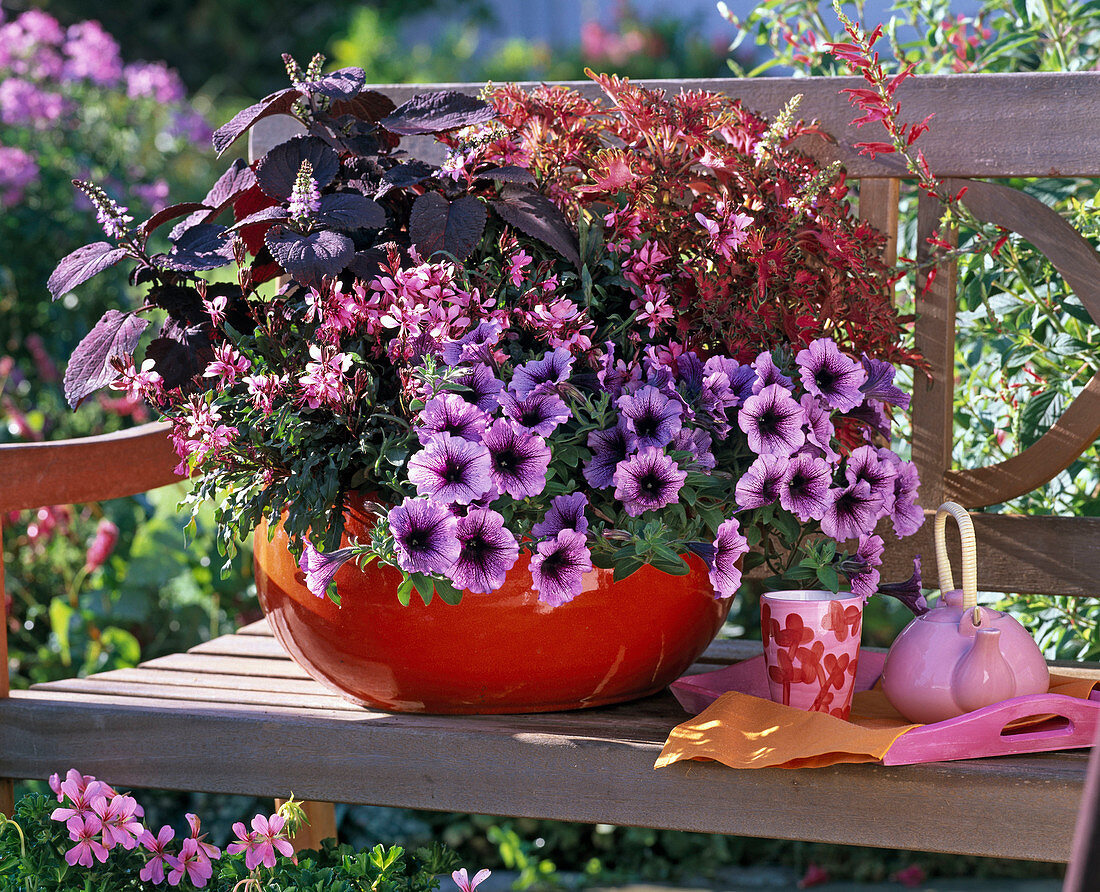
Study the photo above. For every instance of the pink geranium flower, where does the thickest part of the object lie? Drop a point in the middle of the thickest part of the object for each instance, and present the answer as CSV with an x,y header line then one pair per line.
x,y
260,843
83,831
153,871
463,881
120,820
192,862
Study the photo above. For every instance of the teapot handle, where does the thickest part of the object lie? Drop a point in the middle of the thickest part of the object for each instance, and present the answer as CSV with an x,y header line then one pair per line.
x,y
969,553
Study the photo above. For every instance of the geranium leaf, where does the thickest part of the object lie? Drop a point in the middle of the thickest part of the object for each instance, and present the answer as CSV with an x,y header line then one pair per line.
x,y
343,84
83,263
368,105
278,169
180,353
309,257
278,103
201,247
170,213
348,211
116,334
537,216
509,174
436,224
436,112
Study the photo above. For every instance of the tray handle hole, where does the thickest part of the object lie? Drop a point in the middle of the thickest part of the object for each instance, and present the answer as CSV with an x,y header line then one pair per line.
x,y
1038,724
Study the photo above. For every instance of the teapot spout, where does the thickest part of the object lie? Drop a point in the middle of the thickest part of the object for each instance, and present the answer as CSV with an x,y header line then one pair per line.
x,y
983,676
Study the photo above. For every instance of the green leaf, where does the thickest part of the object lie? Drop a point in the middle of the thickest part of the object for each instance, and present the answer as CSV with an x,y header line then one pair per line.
x,y
404,591
425,587
627,567
828,578
61,614
448,592
1039,415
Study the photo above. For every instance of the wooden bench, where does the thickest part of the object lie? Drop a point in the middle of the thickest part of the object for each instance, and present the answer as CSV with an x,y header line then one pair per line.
x,y
235,715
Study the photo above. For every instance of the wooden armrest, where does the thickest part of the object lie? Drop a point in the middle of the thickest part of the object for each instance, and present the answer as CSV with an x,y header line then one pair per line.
x,y
88,469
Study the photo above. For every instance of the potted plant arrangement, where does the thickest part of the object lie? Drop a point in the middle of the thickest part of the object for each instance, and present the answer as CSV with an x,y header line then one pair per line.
x,y
578,377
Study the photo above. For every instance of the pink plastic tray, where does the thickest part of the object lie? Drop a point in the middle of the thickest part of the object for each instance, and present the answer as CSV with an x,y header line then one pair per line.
x,y
1070,723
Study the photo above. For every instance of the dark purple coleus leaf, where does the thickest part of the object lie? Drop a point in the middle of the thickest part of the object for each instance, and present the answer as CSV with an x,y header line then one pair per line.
x,y
408,174
537,216
78,267
436,224
180,353
508,174
237,179
203,246
116,334
278,169
182,302
278,103
309,257
171,213
436,112
346,210
271,214
368,105
344,84
366,264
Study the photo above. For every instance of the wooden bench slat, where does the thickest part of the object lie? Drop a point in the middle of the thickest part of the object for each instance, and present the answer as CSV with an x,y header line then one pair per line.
x,y
262,668
253,646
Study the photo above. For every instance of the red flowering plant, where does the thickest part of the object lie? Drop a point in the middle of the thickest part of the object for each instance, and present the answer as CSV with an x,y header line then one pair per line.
x,y
548,346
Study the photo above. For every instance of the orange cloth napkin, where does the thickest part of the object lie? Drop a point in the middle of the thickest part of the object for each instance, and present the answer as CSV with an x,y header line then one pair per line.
x,y
743,731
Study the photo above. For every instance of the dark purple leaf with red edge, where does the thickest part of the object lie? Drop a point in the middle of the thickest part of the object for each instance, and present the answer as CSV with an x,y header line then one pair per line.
x,y
78,267
114,335
248,203
278,169
436,224
279,103
309,257
436,112
269,215
345,210
508,174
368,105
343,85
238,178
171,213
408,174
201,247
180,353
537,216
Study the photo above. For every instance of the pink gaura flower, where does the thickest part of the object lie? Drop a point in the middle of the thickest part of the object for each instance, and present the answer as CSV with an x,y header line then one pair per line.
x,y
463,881
227,366
516,264
323,383
260,843
83,831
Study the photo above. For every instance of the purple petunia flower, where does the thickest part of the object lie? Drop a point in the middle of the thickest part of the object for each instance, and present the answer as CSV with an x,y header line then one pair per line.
x,y
908,592
759,485
868,557
773,421
647,481
542,374
488,551
697,442
831,375
767,373
873,415
804,490
519,459
485,387
906,515
540,413
852,512
558,567
865,464
425,536
819,428
615,377
475,346
652,417
320,567
690,367
608,447
566,513
449,413
729,547
451,471
880,382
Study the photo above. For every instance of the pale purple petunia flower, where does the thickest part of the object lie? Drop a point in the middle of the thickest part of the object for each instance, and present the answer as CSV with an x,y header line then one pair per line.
x,y
852,512
542,374
558,567
880,382
865,464
768,373
648,480
425,535
320,567
729,547
475,346
697,442
819,428
540,413
804,490
519,459
759,485
565,513
608,447
451,471
831,375
690,367
449,413
652,417
488,551
772,421
868,558
873,414
908,592
484,386
614,377
906,515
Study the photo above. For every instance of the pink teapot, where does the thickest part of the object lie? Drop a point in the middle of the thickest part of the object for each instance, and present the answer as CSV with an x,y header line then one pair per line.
x,y
959,657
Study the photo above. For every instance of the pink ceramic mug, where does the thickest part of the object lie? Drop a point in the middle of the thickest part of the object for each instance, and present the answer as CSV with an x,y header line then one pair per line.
x,y
811,648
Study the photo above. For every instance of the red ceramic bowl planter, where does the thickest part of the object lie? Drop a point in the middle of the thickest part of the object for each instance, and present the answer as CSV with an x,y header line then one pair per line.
x,y
492,653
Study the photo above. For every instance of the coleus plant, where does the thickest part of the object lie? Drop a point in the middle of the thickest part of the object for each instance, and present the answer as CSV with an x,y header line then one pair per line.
x,y
522,350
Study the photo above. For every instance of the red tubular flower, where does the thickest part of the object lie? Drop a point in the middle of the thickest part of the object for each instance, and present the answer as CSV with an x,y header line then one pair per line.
x,y
106,535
